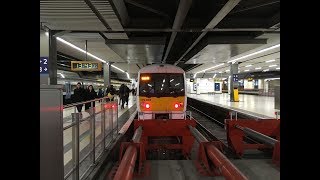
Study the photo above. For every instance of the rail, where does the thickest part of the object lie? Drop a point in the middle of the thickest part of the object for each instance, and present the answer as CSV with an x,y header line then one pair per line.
x,y
88,135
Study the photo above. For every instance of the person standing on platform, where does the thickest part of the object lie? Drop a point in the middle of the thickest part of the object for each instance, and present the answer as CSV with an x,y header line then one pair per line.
x,y
110,92
78,96
126,94
100,94
122,95
90,95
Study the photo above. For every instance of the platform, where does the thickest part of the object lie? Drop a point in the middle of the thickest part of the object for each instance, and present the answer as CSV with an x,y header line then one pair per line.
x,y
259,106
123,115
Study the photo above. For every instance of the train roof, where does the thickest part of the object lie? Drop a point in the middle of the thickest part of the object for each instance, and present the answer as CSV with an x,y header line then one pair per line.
x,y
161,68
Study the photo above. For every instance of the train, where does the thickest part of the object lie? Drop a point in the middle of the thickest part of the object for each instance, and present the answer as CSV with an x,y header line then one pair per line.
x,y
161,92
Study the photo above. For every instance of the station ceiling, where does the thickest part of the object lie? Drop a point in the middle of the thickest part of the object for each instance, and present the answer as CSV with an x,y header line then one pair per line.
x,y
196,35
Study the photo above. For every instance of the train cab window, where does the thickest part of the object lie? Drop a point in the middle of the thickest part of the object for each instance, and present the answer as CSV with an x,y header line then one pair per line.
x,y
161,85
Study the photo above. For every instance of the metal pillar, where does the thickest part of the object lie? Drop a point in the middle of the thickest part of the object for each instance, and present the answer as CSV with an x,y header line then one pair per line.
x,y
106,74
75,145
233,83
52,58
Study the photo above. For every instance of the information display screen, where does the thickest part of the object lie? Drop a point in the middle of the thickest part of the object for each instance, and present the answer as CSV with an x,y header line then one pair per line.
x,y
85,66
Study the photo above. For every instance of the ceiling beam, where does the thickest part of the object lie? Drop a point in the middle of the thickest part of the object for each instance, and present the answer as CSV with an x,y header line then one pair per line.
x,y
274,20
120,9
97,13
265,30
138,40
255,6
147,8
235,40
214,22
184,6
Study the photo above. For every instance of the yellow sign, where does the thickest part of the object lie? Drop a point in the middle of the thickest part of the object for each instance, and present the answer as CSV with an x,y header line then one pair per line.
x,y
86,66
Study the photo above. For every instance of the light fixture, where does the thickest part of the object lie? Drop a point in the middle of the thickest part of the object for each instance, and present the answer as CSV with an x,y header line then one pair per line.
x,y
83,51
273,65
61,75
128,75
47,33
246,70
117,68
265,70
211,67
214,75
271,79
278,68
248,65
220,72
272,60
254,53
257,68
227,70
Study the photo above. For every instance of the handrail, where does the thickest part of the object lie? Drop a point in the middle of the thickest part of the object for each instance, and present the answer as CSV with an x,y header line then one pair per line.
x,y
83,102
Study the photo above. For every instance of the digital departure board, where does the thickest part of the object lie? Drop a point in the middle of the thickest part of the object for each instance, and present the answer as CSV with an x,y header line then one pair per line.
x,y
85,66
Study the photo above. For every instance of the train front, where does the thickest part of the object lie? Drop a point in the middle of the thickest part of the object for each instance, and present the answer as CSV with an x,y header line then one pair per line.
x,y
161,92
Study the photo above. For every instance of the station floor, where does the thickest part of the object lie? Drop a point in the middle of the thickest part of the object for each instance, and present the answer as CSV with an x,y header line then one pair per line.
x,y
261,105
84,131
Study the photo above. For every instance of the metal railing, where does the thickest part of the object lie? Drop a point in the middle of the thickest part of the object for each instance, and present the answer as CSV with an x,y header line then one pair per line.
x,y
87,135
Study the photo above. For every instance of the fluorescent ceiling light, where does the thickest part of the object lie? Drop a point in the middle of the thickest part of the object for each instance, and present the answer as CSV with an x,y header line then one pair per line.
x,y
271,79
212,67
248,65
278,68
270,61
257,68
265,70
220,71
117,68
47,33
214,75
79,49
61,75
128,75
83,51
227,70
254,53
273,65
246,70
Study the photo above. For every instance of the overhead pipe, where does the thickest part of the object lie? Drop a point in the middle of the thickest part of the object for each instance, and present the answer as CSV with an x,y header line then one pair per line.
x,y
257,135
128,161
228,170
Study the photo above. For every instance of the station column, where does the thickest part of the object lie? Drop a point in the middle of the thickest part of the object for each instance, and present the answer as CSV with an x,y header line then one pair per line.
x,y
52,66
234,84
106,74
44,57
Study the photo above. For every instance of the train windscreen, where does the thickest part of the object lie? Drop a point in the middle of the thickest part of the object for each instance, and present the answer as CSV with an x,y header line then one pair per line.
x,y
161,85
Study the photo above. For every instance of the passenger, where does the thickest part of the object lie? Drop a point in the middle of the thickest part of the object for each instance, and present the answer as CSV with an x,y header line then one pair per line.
x,y
79,96
90,95
126,94
110,92
122,95
100,94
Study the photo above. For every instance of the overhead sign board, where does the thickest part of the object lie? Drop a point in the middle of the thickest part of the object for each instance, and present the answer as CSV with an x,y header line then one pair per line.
x,y
86,66
44,65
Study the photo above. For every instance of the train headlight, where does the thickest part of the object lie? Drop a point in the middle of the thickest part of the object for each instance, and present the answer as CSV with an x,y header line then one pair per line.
x,y
147,105
176,105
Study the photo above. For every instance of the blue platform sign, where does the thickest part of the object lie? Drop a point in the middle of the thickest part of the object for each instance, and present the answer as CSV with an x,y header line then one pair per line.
x,y
44,61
